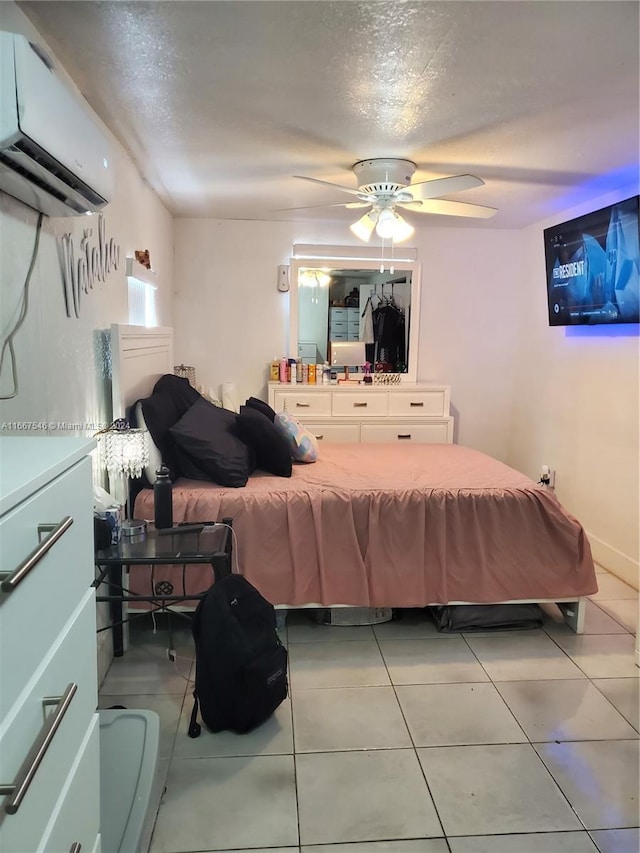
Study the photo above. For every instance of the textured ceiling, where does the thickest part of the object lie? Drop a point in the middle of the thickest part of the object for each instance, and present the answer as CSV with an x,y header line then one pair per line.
x,y
221,103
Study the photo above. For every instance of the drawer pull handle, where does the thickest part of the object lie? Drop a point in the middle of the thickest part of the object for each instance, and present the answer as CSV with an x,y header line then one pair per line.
x,y
416,405
320,437
360,405
303,405
405,437
37,752
10,580
76,847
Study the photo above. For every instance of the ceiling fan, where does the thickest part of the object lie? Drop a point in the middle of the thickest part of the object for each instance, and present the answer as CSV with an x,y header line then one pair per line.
x,y
385,183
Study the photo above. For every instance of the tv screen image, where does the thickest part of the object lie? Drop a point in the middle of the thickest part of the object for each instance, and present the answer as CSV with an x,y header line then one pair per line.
x,y
593,267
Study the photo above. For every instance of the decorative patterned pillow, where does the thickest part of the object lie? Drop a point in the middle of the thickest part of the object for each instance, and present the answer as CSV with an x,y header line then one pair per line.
x,y
303,444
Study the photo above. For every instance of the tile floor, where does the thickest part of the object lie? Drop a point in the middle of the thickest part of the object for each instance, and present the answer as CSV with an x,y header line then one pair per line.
x,y
398,739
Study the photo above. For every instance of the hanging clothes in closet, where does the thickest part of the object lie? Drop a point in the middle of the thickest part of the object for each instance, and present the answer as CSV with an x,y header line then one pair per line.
x,y
389,336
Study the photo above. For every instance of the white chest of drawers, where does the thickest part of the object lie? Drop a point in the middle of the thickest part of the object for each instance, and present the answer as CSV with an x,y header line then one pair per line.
x,y
373,413
344,324
49,739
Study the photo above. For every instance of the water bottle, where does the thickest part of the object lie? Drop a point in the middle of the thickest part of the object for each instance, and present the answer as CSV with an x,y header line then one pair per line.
x,y
163,499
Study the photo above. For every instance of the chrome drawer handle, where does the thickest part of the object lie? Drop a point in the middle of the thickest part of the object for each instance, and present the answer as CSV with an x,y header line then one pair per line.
x,y
10,580
360,405
416,404
30,765
76,847
303,405
404,437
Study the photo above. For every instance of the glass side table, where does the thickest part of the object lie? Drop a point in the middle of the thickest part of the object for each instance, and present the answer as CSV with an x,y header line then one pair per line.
x,y
207,543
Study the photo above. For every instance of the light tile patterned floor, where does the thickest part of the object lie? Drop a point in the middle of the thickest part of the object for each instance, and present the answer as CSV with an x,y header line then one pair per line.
x,y
398,739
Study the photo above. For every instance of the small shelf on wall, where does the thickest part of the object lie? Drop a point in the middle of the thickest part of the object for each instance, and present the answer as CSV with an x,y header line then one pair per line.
x,y
136,270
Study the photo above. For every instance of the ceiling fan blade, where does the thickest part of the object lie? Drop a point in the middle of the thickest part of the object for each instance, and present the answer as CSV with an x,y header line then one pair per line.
x,y
442,186
450,208
353,204
314,206
349,190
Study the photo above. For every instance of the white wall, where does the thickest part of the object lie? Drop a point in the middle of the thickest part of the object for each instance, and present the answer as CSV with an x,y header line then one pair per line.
x,y
230,319
62,366
63,363
575,408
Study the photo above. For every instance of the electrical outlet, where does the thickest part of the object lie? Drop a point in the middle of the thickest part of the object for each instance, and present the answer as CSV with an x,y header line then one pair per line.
x,y
547,476
283,278
171,654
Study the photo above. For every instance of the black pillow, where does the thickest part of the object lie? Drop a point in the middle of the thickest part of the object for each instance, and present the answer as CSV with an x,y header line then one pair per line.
x,y
207,441
161,413
271,448
172,397
261,406
180,389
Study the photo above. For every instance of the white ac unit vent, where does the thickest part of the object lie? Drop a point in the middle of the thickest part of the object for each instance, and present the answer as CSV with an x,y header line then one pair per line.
x,y
54,156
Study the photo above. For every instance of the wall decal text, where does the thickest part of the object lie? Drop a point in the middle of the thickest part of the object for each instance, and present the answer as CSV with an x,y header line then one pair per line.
x,y
94,261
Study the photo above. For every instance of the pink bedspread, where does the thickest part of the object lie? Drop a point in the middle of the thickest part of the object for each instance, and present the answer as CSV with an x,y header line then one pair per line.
x,y
386,525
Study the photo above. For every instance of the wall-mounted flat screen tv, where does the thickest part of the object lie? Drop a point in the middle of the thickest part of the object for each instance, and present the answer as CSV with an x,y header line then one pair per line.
x,y
593,267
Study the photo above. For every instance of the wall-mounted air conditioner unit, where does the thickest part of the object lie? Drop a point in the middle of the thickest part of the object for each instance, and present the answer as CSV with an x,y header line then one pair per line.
x,y
53,154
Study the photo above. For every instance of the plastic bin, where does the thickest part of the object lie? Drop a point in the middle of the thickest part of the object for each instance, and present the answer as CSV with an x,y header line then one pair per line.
x,y
128,763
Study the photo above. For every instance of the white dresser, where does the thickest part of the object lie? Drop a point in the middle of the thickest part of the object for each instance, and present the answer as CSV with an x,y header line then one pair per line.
x,y
376,413
49,737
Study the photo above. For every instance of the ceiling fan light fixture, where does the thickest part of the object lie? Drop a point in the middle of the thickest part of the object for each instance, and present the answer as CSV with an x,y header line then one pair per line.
x,y
314,278
386,224
391,226
363,227
402,229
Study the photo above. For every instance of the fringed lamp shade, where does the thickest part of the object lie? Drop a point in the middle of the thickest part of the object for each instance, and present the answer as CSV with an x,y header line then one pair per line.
x,y
125,451
186,372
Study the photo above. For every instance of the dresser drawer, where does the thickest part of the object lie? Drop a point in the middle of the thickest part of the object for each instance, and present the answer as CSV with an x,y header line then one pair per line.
x,y
335,432
362,404
437,432
76,819
302,404
71,659
339,314
48,593
422,403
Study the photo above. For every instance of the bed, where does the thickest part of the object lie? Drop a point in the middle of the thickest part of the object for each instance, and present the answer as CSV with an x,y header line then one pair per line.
x,y
385,526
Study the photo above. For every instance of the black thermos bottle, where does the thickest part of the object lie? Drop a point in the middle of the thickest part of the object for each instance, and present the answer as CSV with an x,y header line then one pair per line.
x,y
162,499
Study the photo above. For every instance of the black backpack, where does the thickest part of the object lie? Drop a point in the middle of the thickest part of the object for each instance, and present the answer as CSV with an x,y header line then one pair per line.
x,y
241,665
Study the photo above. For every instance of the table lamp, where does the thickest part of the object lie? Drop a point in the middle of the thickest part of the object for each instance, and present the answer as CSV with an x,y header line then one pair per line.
x,y
347,354
125,454
186,372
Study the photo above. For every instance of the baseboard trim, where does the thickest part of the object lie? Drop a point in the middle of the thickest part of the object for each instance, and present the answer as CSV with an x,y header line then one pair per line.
x,y
619,564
